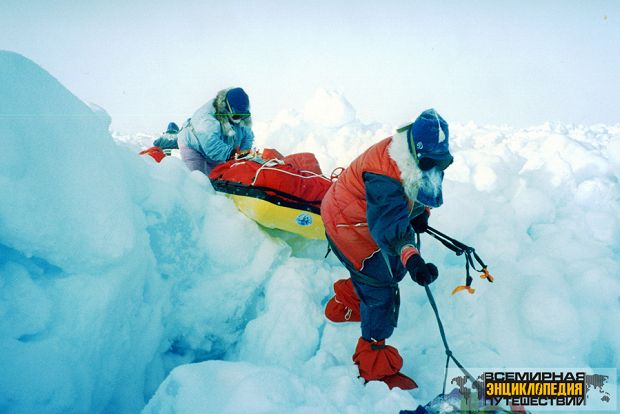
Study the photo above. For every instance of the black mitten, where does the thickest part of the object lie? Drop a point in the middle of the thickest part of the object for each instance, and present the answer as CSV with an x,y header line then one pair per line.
x,y
421,272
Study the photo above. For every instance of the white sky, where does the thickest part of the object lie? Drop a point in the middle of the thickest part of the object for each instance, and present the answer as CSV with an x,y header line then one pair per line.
x,y
503,62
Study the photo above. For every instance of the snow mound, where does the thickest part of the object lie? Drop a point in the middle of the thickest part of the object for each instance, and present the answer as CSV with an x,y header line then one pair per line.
x,y
242,387
327,127
329,109
113,269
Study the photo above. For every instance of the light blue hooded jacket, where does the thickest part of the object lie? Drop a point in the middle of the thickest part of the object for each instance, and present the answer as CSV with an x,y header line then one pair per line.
x,y
206,141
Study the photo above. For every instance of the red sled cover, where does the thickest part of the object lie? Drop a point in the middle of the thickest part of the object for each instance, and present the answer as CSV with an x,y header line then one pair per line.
x,y
303,161
279,177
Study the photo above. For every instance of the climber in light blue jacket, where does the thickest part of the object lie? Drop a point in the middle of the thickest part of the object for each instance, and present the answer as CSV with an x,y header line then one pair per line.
x,y
217,131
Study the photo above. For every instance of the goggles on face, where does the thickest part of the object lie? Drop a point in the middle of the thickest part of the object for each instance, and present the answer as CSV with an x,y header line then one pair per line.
x,y
425,163
239,117
234,116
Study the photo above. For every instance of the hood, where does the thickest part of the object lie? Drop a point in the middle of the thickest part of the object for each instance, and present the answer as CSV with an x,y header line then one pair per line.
x,y
221,114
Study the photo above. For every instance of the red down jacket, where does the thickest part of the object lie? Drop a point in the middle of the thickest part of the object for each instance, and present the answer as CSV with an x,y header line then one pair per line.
x,y
344,206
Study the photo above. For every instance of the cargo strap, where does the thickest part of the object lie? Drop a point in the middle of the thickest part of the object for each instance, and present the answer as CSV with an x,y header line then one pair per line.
x,y
329,250
470,254
396,310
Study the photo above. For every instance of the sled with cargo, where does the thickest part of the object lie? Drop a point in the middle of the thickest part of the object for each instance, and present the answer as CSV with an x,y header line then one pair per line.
x,y
276,191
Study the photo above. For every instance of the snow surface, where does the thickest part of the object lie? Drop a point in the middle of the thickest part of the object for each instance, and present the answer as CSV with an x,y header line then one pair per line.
x,y
125,282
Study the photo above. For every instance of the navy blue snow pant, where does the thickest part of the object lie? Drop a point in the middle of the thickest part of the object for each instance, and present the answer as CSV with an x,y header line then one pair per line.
x,y
378,292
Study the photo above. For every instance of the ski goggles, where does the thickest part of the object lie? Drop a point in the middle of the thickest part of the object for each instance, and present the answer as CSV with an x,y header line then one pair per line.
x,y
426,163
235,116
239,117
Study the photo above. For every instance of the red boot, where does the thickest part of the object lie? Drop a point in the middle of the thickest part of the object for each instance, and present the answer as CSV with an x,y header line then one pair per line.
x,y
380,362
345,305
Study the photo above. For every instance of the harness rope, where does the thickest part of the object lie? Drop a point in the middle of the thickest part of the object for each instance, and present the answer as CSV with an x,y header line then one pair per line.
x,y
449,354
470,254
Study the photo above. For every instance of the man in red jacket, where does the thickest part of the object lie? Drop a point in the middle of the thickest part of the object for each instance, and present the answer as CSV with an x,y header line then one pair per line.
x,y
371,215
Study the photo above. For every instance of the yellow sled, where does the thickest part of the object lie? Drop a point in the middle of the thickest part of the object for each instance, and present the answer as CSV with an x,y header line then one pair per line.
x,y
305,223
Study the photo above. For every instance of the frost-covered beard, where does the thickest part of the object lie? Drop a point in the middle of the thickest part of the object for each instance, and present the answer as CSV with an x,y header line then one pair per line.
x,y
423,186
429,192
409,171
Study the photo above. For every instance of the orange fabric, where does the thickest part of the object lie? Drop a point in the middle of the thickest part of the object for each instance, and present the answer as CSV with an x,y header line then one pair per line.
x,y
407,253
282,179
486,275
345,293
270,153
343,209
383,363
378,363
155,152
463,287
304,161
345,305
400,380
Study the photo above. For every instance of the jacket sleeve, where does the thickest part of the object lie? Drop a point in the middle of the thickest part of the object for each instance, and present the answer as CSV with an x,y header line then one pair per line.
x,y
166,143
248,139
217,150
214,145
387,213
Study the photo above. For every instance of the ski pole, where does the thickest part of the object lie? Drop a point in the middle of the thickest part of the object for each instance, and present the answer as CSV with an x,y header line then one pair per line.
x,y
449,354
